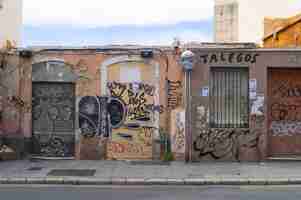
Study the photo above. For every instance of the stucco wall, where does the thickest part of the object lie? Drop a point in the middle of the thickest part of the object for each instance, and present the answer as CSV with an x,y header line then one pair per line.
x,y
11,21
15,124
162,71
235,144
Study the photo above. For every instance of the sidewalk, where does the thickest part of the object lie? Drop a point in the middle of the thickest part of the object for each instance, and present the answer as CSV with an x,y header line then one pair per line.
x,y
176,173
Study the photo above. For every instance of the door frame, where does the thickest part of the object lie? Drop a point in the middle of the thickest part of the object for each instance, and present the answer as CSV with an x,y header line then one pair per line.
x,y
269,69
67,77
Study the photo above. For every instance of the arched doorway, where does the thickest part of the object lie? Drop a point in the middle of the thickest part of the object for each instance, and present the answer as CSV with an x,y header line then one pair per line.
x,y
53,109
132,83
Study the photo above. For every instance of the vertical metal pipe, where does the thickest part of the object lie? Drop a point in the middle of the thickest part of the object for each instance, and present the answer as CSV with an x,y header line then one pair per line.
x,y
187,62
189,140
189,115
186,102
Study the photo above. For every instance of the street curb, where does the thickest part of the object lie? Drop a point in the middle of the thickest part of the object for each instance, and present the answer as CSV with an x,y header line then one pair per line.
x,y
148,181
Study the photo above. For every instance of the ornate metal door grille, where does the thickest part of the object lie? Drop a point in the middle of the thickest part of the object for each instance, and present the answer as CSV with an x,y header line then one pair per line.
x,y
53,116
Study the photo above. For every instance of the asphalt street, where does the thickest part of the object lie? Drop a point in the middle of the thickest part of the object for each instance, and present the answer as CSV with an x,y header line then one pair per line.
x,y
45,192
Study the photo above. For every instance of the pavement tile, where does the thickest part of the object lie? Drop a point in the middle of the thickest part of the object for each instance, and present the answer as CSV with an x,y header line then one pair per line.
x,y
112,172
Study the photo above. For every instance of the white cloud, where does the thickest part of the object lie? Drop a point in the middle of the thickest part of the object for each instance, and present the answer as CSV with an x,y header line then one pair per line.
x,y
164,39
115,12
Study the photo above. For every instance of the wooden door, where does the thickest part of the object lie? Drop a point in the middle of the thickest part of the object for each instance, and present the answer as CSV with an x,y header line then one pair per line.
x,y
284,103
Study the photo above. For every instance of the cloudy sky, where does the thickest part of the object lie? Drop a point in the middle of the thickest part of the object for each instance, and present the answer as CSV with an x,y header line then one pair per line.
x,y
100,22
89,22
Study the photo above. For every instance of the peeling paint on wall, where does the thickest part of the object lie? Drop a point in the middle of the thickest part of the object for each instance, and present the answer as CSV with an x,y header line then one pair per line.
x,y
178,131
221,144
131,116
131,143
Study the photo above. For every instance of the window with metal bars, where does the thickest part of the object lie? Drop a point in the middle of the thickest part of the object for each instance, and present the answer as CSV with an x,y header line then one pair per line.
x,y
229,97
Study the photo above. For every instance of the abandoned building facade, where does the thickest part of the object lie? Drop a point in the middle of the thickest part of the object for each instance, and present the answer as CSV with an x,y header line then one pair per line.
x,y
106,103
129,103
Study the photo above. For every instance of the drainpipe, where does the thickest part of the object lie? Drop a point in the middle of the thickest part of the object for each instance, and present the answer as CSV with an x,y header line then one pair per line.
x,y
187,63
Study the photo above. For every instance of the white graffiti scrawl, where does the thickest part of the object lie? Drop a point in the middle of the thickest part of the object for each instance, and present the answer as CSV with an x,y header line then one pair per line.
x,y
178,131
285,128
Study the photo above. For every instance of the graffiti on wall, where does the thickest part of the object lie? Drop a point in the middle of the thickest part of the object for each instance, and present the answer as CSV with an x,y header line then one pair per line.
x,y
174,94
5,147
138,98
54,146
285,111
257,112
286,89
285,118
53,117
132,110
285,114
232,57
19,103
117,111
178,131
285,128
221,143
131,143
93,117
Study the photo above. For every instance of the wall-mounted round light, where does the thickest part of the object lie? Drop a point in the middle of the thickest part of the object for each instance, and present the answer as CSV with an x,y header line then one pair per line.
x,y
187,60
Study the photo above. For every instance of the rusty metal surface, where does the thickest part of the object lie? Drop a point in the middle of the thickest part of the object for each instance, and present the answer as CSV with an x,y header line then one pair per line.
x,y
284,119
53,113
229,106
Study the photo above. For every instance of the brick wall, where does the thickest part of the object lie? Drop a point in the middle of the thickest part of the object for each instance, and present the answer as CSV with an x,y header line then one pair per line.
x,y
289,36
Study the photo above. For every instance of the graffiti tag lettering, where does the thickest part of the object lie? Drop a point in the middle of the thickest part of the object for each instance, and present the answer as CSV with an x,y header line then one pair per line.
x,y
287,89
229,57
285,128
174,93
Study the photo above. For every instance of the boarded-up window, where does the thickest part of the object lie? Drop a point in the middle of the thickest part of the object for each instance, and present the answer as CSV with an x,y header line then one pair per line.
x,y
229,99
129,74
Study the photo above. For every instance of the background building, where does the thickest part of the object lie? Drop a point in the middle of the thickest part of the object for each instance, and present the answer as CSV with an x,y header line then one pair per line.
x,y
243,20
11,21
282,32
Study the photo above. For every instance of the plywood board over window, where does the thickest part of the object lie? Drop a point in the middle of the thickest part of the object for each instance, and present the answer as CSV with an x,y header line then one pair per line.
x,y
129,74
